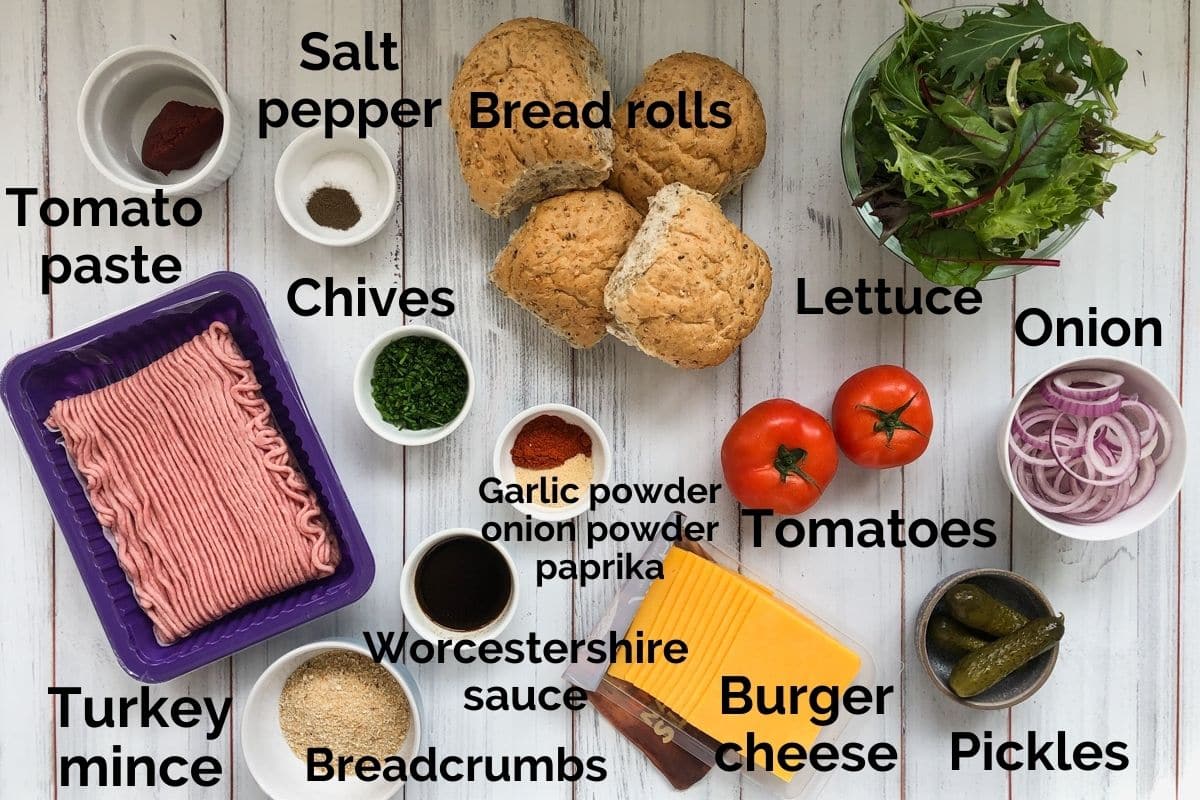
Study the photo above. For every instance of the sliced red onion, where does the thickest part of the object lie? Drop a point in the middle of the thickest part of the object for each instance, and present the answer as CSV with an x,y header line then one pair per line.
x,y
1123,464
1082,451
1050,484
1109,404
1164,440
1023,426
1148,448
1093,463
1029,491
1149,419
1023,454
1144,481
1114,503
1100,384
1084,499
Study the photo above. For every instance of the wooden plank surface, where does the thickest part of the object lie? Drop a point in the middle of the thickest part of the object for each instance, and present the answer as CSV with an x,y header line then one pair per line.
x,y
954,484
27,595
1119,685
448,242
803,218
662,423
1128,668
1187,689
81,36
323,349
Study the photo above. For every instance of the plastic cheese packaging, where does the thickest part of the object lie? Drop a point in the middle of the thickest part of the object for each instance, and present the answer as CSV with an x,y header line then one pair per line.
x,y
733,625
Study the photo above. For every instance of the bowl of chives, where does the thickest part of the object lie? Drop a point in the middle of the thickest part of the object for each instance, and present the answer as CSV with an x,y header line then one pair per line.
x,y
407,391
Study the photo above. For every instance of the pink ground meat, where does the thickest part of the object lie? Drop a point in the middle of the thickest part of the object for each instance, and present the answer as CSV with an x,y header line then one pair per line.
x,y
183,464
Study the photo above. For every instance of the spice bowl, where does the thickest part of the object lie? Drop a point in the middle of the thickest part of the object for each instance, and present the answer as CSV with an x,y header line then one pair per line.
x,y
1168,480
358,167
124,94
365,402
504,468
279,771
1014,591
421,622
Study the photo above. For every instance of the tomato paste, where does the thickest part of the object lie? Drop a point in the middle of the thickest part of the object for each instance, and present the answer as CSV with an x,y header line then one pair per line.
x,y
180,135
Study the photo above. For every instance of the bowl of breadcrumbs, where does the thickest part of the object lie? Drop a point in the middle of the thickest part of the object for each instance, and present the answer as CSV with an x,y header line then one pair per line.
x,y
327,721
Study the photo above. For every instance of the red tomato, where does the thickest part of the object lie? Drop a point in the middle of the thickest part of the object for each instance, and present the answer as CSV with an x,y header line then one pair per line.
x,y
779,455
882,417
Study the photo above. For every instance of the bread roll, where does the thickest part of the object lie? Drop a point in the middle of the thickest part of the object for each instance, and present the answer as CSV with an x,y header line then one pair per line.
x,y
713,160
691,286
559,261
529,59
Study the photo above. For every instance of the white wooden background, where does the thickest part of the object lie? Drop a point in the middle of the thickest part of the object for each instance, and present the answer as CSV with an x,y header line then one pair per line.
x,y
1128,668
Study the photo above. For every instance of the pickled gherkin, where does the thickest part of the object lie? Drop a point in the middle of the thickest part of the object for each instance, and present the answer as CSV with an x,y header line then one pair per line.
x,y
954,638
974,607
982,669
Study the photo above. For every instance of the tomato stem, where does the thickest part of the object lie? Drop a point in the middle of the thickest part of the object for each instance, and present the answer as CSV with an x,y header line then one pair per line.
x,y
888,422
790,461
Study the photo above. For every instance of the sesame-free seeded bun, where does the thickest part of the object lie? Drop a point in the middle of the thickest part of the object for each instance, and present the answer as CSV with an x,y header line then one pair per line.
x,y
691,286
529,59
558,262
713,160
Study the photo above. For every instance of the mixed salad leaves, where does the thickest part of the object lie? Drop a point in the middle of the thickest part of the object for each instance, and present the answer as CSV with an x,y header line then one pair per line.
x,y
975,143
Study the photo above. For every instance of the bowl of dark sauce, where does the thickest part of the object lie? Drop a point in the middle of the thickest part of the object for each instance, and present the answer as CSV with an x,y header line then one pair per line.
x,y
457,585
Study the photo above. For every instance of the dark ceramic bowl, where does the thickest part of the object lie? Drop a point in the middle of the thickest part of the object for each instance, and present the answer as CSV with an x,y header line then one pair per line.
x,y
1011,589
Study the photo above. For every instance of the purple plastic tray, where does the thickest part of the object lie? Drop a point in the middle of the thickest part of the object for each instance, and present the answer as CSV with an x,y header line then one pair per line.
x,y
117,346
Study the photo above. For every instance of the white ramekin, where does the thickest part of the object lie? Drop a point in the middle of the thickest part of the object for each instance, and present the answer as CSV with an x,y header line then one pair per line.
x,y
309,154
502,464
122,97
1168,479
280,773
366,404
420,622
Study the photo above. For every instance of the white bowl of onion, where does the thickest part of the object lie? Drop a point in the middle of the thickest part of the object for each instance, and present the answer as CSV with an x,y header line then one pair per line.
x,y
1094,448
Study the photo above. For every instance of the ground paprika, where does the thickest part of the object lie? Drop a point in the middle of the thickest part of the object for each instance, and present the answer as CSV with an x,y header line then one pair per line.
x,y
547,441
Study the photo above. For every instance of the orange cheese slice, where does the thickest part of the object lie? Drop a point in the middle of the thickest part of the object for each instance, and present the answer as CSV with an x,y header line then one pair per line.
x,y
732,626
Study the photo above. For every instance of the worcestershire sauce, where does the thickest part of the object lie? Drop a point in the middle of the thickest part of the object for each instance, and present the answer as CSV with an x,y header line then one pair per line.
x,y
463,583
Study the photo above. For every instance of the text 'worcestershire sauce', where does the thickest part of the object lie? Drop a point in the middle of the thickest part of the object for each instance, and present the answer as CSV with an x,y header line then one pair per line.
x,y
463,583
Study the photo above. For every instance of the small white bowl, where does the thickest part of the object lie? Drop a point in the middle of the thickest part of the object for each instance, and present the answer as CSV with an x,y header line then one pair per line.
x,y
1168,480
280,773
124,94
346,162
502,465
366,404
420,622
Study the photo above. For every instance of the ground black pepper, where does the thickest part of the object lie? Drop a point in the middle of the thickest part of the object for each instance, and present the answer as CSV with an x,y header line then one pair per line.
x,y
331,207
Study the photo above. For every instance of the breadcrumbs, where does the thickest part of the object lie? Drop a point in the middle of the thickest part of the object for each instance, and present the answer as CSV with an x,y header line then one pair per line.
x,y
346,702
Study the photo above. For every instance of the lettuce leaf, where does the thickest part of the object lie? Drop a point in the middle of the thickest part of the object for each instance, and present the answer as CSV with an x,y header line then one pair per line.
x,y
900,79
969,124
986,38
1045,133
921,172
1017,219
950,257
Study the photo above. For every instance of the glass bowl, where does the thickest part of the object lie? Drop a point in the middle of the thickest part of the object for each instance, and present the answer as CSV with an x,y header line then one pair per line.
x,y
951,17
